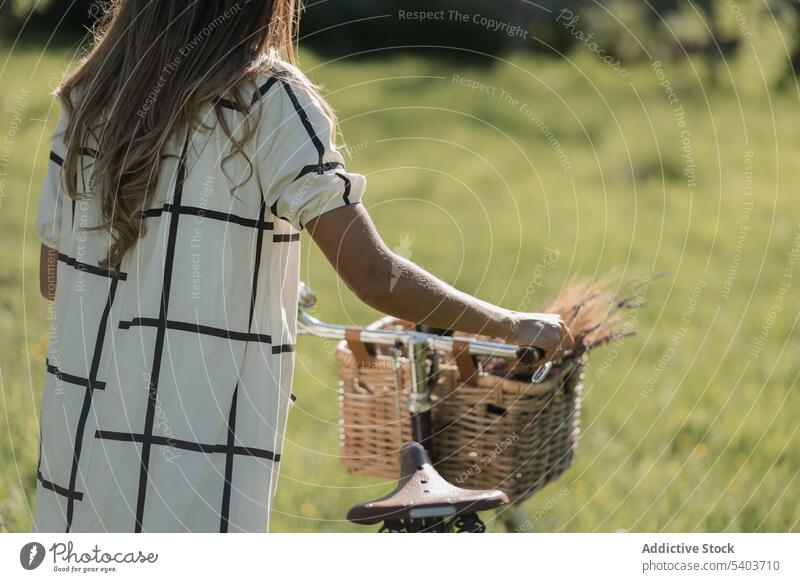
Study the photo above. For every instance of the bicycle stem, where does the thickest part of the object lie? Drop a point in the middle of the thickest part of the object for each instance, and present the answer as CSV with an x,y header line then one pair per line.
x,y
419,398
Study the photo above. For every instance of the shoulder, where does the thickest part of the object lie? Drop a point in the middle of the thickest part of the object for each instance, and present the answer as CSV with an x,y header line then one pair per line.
x,y
284,91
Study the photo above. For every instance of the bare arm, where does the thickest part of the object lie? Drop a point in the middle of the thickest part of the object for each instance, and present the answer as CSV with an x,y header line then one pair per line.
x,y
393,285
48,259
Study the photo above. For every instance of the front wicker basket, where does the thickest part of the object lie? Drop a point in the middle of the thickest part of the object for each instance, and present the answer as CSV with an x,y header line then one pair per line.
x,y
489,432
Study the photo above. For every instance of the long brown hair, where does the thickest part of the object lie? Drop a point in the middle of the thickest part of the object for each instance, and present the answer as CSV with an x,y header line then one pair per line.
x,y
152,67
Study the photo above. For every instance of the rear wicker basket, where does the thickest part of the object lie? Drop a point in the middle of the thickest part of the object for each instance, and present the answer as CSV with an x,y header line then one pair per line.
x,y
489,432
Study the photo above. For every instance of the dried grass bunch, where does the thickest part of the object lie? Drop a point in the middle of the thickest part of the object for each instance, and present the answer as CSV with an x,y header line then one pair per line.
x,y
594,315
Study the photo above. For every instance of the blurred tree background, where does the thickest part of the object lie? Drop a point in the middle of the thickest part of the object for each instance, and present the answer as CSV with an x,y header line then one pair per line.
x,y
664,29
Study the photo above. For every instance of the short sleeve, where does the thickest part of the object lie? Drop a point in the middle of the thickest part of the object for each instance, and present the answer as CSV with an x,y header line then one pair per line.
x,y
48,216
303,174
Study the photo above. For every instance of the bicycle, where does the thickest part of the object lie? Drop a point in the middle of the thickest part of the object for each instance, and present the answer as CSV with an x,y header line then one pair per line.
x,y
423,500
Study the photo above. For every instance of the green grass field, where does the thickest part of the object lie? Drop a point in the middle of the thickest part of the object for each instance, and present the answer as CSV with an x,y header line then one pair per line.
x,y
690,425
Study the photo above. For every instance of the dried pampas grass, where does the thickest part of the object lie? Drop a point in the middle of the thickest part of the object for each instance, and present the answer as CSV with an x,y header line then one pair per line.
x,y
594,315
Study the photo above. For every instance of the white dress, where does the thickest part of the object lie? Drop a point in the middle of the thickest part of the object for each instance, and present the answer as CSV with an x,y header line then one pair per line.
x,y
168,384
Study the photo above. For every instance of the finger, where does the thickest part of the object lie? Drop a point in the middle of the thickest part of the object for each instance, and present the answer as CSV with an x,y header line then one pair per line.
x,y
569,342
550,355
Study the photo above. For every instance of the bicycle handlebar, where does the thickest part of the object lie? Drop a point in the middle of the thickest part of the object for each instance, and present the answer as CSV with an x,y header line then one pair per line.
x,y
310,325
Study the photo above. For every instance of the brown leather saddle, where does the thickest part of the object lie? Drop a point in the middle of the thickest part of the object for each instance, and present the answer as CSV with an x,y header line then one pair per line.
x,y
422,493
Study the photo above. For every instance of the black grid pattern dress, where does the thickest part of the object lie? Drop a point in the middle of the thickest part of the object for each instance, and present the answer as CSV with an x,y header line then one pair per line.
x,y
168,381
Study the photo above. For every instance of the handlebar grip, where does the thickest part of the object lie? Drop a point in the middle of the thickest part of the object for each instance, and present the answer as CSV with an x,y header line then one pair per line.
x,y
529,355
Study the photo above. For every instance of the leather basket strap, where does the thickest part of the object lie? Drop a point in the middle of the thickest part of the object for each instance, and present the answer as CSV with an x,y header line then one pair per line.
x,y
467,371
360,353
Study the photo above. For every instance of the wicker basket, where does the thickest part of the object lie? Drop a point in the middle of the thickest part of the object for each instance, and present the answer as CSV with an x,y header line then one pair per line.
x,y
489,432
